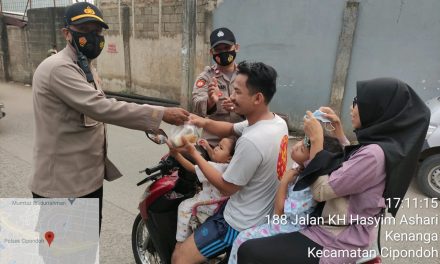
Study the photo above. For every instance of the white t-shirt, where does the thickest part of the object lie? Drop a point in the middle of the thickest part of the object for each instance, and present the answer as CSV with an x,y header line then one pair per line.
x,y
260,158
208,191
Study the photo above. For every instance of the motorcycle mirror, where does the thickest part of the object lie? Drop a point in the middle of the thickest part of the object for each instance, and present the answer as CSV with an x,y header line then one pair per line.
x,y
157,136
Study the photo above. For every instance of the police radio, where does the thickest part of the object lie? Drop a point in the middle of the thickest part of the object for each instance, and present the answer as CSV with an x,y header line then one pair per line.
x,y
83,63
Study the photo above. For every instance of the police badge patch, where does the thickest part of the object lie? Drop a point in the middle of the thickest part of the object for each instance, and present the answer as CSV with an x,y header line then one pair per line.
x,y
200,83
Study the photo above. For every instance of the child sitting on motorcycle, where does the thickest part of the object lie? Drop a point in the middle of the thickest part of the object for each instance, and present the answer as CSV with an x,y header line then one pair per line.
x,y
291,206
220,156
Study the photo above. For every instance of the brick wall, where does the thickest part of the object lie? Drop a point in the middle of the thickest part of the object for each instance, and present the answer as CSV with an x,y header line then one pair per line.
x,y
19,68
155,46
28,46
44,25
148,17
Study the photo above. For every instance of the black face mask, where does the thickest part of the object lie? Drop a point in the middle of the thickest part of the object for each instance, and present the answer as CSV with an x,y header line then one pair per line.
x,y
90,44
224,58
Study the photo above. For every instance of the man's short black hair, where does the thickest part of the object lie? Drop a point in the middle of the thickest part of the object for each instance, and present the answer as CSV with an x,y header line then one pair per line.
x,y
262,78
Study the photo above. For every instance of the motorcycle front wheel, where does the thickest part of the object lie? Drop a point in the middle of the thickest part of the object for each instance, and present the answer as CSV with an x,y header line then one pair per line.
x,y
143,248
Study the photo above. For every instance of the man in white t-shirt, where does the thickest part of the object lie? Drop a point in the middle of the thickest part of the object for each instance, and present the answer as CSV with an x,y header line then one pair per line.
x,y
251,179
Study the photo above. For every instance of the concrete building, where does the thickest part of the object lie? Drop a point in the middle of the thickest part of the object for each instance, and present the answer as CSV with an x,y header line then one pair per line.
x,y
319,48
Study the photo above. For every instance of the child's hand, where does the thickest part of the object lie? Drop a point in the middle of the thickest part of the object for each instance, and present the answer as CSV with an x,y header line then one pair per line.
x,y
204,143
289,176
173,151
186,147
189,147
312,127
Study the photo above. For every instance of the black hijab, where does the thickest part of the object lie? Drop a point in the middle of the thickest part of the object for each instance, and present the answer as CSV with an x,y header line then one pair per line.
x,y
323,163
395,118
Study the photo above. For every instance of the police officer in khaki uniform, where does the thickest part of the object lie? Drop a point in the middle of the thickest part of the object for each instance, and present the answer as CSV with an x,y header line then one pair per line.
x,y
212,89
70,112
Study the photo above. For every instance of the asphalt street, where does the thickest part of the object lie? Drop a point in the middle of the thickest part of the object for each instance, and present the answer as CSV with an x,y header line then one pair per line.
x,y
131,151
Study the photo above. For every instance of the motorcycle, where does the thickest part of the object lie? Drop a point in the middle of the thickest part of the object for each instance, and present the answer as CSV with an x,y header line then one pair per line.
x,y
167,185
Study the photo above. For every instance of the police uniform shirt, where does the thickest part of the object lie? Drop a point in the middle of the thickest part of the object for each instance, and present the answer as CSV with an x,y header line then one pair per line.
x,y
69,114
200,98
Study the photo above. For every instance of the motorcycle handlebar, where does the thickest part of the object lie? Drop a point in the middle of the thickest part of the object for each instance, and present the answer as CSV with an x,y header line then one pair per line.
x,y
169,163
164,166
149,171
152,177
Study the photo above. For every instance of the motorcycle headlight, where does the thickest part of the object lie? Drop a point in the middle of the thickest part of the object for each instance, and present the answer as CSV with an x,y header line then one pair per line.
x,y
431,130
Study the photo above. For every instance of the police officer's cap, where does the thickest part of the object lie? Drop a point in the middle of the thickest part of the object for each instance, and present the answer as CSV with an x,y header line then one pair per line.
x,y
222,35
83,12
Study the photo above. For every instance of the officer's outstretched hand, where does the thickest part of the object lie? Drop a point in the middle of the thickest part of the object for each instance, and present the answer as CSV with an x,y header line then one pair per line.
x,y
175,116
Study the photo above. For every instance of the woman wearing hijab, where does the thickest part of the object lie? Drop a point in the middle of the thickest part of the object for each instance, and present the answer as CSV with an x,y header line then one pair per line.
x,y
390,122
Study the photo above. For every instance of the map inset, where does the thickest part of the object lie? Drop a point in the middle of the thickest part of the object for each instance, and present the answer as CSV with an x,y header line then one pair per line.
x,y
49,231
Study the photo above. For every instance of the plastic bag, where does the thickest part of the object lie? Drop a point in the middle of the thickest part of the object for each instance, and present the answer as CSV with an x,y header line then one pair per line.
x,y
190,132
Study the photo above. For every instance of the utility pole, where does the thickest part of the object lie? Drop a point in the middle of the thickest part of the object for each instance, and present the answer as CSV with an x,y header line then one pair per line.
x,y
343,55
189,35
126,40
